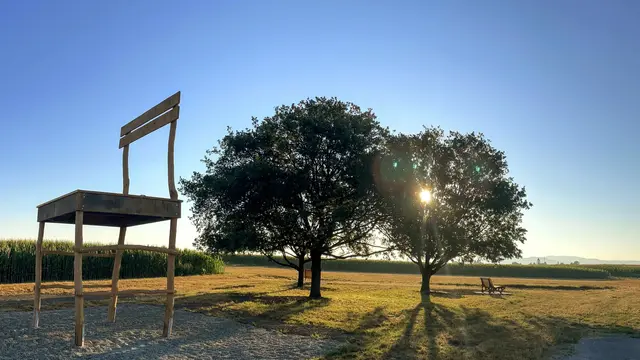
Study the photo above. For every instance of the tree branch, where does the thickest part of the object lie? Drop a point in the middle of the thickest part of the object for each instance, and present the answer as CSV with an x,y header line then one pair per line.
x,y
288,264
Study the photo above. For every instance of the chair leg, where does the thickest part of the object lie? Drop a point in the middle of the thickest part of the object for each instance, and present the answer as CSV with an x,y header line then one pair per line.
x,y
77,279
38,281
111,317
171,265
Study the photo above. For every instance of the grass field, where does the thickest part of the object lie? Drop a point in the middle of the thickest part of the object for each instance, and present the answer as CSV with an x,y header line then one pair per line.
x,y
383,315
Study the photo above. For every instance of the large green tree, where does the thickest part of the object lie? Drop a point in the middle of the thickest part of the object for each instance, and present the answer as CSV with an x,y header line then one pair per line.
x,y
299,182
475,208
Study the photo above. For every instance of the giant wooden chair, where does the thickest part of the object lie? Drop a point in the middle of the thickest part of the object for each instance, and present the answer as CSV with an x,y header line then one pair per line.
x,y
83,207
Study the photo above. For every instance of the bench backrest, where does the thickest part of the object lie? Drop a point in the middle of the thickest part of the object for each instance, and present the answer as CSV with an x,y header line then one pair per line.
x,y
486,282
166,112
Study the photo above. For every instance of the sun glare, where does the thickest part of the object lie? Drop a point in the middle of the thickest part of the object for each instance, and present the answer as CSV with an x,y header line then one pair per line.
x,y
425,196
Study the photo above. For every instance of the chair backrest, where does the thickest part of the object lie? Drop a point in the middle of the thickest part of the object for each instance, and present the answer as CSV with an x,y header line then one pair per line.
x,y
166,112
490,282
485,282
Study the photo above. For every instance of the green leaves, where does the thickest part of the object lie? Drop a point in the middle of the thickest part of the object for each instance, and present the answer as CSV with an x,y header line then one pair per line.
x,y
322,175
298,180
476,209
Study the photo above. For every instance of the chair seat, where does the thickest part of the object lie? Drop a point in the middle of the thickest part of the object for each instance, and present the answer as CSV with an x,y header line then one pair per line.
x,y
108,209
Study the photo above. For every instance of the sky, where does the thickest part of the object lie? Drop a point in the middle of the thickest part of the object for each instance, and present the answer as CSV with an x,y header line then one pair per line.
x,y
554,84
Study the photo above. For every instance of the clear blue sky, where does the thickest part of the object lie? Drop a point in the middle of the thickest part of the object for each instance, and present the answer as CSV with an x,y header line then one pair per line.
x,y
555,84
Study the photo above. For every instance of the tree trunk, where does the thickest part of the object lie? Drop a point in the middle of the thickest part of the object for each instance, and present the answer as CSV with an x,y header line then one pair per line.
x,y
301,271
426,279
316,269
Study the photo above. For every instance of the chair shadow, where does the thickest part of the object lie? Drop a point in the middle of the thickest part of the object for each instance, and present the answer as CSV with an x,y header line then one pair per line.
x,y
542,287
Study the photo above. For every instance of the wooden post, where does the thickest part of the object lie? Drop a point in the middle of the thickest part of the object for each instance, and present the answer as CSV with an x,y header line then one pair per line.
x,y
171,265
115,276
38,285
171,258
77,279
173,194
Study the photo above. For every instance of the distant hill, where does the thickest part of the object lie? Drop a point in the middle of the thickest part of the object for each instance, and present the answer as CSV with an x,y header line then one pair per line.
x,y
551,260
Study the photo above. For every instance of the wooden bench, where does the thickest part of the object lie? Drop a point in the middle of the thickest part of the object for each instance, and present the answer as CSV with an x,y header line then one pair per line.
x,y
487,284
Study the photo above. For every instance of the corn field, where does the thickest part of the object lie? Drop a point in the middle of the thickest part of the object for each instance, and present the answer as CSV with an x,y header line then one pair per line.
x,y
628,271
17,263
405,267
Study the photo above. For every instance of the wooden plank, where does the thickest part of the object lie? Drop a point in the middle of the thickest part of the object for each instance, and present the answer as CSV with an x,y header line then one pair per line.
x,y
64,286
152,126
173,194
77,280
171,267
81,191
71,253
61,206
127,247
58,198
150,114
99,255
58,252
38,284
127,205
130,196
57,286
115,276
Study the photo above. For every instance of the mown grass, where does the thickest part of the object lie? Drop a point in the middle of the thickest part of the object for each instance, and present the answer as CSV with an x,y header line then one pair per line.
x,y
405,267
382,316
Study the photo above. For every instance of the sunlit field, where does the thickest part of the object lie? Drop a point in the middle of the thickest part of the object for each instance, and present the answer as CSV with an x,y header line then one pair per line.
x,y
383,315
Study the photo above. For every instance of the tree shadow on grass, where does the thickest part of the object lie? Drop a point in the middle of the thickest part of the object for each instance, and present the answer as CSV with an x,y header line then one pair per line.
x,y
471,291
366,332
231,287
460,293
558,287
435,331
259,309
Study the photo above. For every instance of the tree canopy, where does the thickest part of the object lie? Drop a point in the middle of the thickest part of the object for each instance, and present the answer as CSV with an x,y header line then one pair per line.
x,y
475,210
300,182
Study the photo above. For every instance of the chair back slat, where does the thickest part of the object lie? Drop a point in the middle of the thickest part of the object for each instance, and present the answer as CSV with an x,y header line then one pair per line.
x,y
167,104
165,112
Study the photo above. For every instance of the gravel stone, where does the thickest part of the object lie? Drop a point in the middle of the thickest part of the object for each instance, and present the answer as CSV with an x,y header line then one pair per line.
x,y
137,334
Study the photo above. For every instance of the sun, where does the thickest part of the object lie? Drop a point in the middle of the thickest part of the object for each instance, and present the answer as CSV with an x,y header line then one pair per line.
x,y
425,196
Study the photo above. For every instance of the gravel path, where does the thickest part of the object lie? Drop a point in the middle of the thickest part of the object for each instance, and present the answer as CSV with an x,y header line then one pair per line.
x,y
137,334
606,348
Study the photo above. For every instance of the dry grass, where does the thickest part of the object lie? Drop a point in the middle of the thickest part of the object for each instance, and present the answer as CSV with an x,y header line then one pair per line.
x,y
383,316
